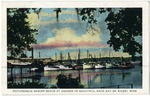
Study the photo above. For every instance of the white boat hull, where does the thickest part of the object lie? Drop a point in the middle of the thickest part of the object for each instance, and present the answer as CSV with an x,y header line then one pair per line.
x,y
57,67
88,66
67,68
50,68
99,66
62,67
34,69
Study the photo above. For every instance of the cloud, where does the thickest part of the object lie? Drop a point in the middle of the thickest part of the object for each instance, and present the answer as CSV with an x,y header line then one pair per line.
x,y
35,22
67,38
44,14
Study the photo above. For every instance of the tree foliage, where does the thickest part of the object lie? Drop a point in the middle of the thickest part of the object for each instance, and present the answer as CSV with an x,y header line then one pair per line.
x,y
68,82
19,32
125,26
23,55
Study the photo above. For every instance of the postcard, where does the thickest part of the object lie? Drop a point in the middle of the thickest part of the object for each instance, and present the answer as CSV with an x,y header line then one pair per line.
x,y
75,47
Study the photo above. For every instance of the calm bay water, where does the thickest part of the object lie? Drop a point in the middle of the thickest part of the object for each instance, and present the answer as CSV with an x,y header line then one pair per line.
x,y
94,78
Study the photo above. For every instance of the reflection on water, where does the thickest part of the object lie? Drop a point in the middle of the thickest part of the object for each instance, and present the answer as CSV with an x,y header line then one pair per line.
x,y
97,78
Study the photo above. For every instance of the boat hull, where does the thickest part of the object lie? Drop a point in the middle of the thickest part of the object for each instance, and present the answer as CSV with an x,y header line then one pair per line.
x,y
99,66
86,66
77,67
125,66
34,69
108,65
50,68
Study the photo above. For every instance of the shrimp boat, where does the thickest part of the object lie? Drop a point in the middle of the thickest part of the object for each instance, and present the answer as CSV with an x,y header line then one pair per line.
x,y
62,67
99,66
90,65
47,68
68,68
126,66
21,63
109,65
78,65
57,67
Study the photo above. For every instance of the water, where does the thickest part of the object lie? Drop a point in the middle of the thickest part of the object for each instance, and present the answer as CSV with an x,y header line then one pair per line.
x,y
94,78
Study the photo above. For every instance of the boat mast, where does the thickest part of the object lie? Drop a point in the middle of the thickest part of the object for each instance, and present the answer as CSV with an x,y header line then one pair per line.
x,y
79,57
87,55
90,55
94,56
56,56
99,55
109,57
61,57
69,57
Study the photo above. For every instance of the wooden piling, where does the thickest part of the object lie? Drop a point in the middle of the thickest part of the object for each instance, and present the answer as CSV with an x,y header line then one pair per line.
x,y
79,75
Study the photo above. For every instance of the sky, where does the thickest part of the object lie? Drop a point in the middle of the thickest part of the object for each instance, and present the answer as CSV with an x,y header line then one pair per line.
x,y
69,35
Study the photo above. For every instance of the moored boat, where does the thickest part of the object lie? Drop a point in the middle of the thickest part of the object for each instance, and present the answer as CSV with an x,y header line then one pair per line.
x,y
108,65
126,66
90,65
98,66
76,67
34,69
62,67
47,68
68,68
